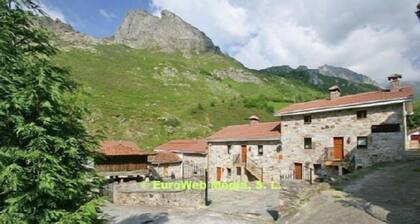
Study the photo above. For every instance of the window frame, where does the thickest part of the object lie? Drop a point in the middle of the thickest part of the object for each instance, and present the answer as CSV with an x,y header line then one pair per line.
x,y
362,146
229,172
238,171
386,128
260,150
304,143
305,119
361,114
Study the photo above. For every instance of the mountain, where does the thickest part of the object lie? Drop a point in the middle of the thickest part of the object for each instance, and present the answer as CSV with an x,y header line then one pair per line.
x,y
159,78
345,73
325,77
168,33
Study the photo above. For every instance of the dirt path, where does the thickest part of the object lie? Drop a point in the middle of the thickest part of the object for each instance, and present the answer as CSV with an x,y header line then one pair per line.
x,y
388,194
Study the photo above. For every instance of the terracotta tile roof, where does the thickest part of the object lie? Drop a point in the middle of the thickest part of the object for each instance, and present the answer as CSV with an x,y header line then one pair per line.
x,y
164,157
350,100
259,131
121,148
184,146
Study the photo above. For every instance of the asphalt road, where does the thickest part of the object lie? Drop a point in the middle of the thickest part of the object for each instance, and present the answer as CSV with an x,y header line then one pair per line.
x,y
388,194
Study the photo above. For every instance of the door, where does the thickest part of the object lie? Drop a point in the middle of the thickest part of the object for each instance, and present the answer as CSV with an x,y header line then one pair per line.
x,y
218,173
338,148
243,153
298,171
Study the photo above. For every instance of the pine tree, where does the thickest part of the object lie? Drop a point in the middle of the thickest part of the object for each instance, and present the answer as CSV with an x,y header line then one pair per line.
x,y
45,150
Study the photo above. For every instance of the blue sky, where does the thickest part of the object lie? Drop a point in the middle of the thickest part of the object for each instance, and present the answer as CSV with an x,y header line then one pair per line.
x,y
376,37
98,18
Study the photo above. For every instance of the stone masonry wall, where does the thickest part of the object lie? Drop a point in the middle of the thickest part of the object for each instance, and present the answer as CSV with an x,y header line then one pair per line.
x,y
344,123
131,195
219,157
166,170
194,163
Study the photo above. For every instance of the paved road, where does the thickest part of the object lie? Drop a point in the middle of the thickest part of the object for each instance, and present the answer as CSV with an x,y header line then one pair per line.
x,y
390,194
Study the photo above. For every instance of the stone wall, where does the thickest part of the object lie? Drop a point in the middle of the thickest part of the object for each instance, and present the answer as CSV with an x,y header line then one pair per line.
x,y
325,126
219,157
194,164
165,171
131,194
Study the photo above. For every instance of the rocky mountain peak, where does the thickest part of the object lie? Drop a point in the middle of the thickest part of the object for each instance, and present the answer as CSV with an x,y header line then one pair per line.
x,y
168,33
345,73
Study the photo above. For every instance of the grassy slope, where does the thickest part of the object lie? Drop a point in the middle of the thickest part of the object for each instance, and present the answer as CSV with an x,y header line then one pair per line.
x,y
152,97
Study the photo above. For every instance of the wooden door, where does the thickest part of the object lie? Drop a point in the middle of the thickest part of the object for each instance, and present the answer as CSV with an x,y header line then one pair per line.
x,y
298,171
243,153
338,148
218,173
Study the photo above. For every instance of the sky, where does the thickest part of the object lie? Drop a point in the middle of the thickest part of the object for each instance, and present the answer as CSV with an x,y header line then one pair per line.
x,y
376,37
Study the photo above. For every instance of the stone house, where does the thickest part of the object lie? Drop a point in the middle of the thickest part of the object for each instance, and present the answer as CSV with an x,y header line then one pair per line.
x,y
245,152
414,139
122,160
165,165
342,133
192,156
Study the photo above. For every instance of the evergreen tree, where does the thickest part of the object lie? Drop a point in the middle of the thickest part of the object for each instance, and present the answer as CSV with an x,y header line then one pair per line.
x,y
45,149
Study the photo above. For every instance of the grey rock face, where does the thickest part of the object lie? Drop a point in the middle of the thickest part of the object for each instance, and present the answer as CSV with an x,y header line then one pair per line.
x,y
345,73
66,32
167,33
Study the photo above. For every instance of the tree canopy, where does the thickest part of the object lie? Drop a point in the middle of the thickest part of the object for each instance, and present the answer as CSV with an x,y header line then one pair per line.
x,y
46,152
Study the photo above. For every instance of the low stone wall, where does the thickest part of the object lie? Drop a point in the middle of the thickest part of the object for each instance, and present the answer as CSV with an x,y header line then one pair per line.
x,y
128,195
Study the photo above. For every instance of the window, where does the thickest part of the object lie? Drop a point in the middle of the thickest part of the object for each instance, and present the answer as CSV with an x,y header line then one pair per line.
x,y
229,172
361,114
308,143
385,128
307,119
318,169
229,147
238,171
260,150
362,142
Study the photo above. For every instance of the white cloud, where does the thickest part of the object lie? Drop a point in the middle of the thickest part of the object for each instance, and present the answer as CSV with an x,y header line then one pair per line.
x,y
53,12
374,37
107,15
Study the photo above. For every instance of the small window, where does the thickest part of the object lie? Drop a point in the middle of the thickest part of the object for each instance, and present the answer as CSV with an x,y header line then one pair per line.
x,y
362,142
229,172
361,114
260,150
318,169
229,147
385,128
238,171
307,119
308,143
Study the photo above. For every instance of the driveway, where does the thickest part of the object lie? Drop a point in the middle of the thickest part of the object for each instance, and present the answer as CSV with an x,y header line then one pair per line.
x,y
386,194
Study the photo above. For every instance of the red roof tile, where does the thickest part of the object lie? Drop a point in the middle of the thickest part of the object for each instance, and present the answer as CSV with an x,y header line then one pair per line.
x,y
121,148
164,157
259,131
184,146
350,100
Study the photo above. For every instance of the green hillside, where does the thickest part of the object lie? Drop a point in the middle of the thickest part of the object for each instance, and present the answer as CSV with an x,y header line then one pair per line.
x,y
151,97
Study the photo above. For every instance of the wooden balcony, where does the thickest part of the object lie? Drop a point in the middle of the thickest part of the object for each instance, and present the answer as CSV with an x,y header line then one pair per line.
x,y
332,160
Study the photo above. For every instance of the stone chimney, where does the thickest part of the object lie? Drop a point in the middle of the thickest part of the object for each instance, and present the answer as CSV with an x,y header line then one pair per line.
x,y
394,82
253,120
335,92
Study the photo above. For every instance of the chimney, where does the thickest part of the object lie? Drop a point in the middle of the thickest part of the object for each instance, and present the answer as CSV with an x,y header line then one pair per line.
x,y
335,92
253,120
394,82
